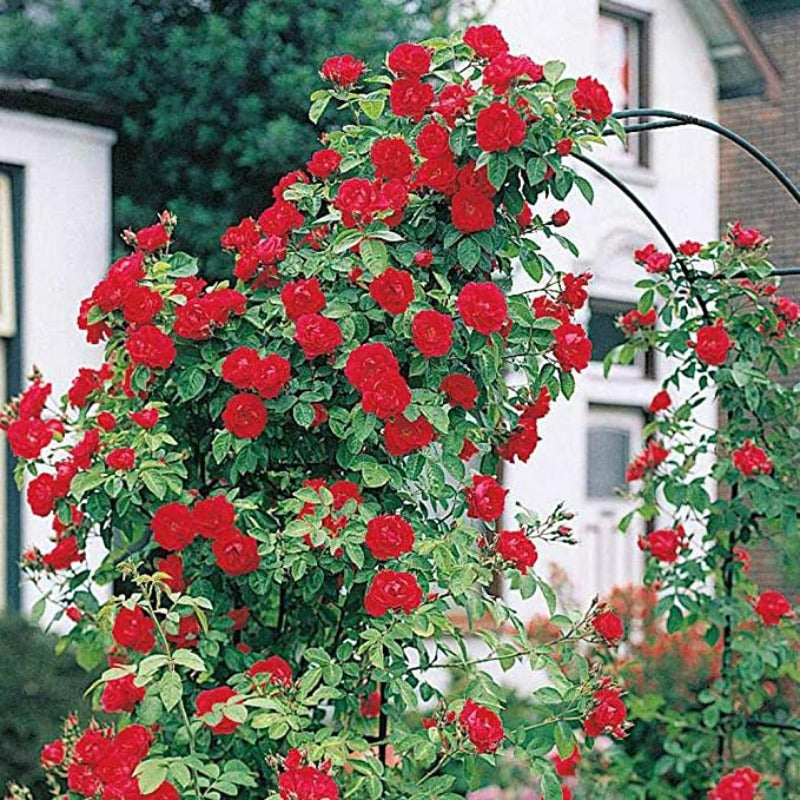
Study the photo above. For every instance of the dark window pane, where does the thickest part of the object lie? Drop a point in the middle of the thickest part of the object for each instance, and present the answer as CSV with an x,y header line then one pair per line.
x,y
603,330
608,455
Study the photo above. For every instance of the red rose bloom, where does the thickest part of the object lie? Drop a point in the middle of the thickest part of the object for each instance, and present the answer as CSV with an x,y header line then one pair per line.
x,y
152,238
772,606
483,727
433,141
356,201
689,248
317,335
240,237
122,458
389,536
402,436
566,767
279,672
207,700
574,293
520,444
573,348
591,97
306,783
213,516
609,713
746,238
245,416
653,455
664,544
387,396
173,527
516,548
609,626
41,495
439,174
392,591
409,60
368,363
483,306
28,437
392,158
634,320
739,785
324,163
471,211
486,40
236,553
272,374
661,401
393,290
280,219
409,97
342,70
134,629
751,460
146,418
121,694
52,754
423,258
432,333
240,367
564,147
150,347
302,297
172,567
499,128
713,344
64,554
460,389
486,498
141,305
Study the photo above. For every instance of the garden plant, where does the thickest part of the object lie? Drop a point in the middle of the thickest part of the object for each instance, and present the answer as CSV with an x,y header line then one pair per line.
x,y
294,472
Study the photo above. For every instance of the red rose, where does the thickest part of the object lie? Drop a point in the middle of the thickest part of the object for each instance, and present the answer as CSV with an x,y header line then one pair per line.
x,y
499,128
302,297
433,141
41,495
245,416
402,436
486,40
280,219
566,767
389,536
664,544
460,389
560,218
392,158
236,553
573,348
173,527
432,333
317,335
713,344
661,401
486,498
134,629
751,460
121,694
609,626
739,785
423,258
64,554
439,174
784,307
634,320
122,458
387,396
471,211
504,68
172,567
392,290
242,236
483,727
516,548
146,418
272,374
689,248
772,606
106,421
356,202
306,783
213,516
370,705
520,444
746,238
574,293
209,701
392,591
28,437
564,147
409,60
150,347
409,97
342,70
453,102
240,367
471,176
591,97
152,238
141,305
609,713
468,450
52,754
324,163
483,307
369,362
653,455
279,672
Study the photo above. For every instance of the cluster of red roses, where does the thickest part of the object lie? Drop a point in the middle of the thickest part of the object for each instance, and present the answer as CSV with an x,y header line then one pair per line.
x,y
100,764
741,784
482,727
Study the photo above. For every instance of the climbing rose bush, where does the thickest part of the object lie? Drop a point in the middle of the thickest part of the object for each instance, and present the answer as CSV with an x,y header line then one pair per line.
x,y
293,473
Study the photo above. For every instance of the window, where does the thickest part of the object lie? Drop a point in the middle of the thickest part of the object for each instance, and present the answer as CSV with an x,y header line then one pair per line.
x,y
623,64
605,335
612,438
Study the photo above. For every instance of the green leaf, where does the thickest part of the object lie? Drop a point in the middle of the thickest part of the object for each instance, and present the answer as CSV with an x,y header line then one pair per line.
x,y
86,481
374,255
318,108
374,474
303,414
469,253
497,170
372,106
191,382
553,70
170,690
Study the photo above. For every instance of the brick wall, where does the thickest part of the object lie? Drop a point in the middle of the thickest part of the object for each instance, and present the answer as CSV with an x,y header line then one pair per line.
x,y
749,193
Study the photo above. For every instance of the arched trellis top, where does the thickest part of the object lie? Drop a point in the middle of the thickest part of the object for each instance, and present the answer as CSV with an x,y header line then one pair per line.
x,y
673,119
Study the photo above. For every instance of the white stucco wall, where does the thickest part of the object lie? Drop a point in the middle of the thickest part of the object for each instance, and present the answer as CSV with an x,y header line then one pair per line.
x,y
66,246
680,187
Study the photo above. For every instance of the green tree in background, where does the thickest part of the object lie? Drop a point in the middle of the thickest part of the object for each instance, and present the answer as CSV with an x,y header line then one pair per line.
x,y
212,95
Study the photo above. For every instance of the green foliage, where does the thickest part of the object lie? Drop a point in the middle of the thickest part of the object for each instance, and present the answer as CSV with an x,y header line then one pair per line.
x,y
38,689
212,96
